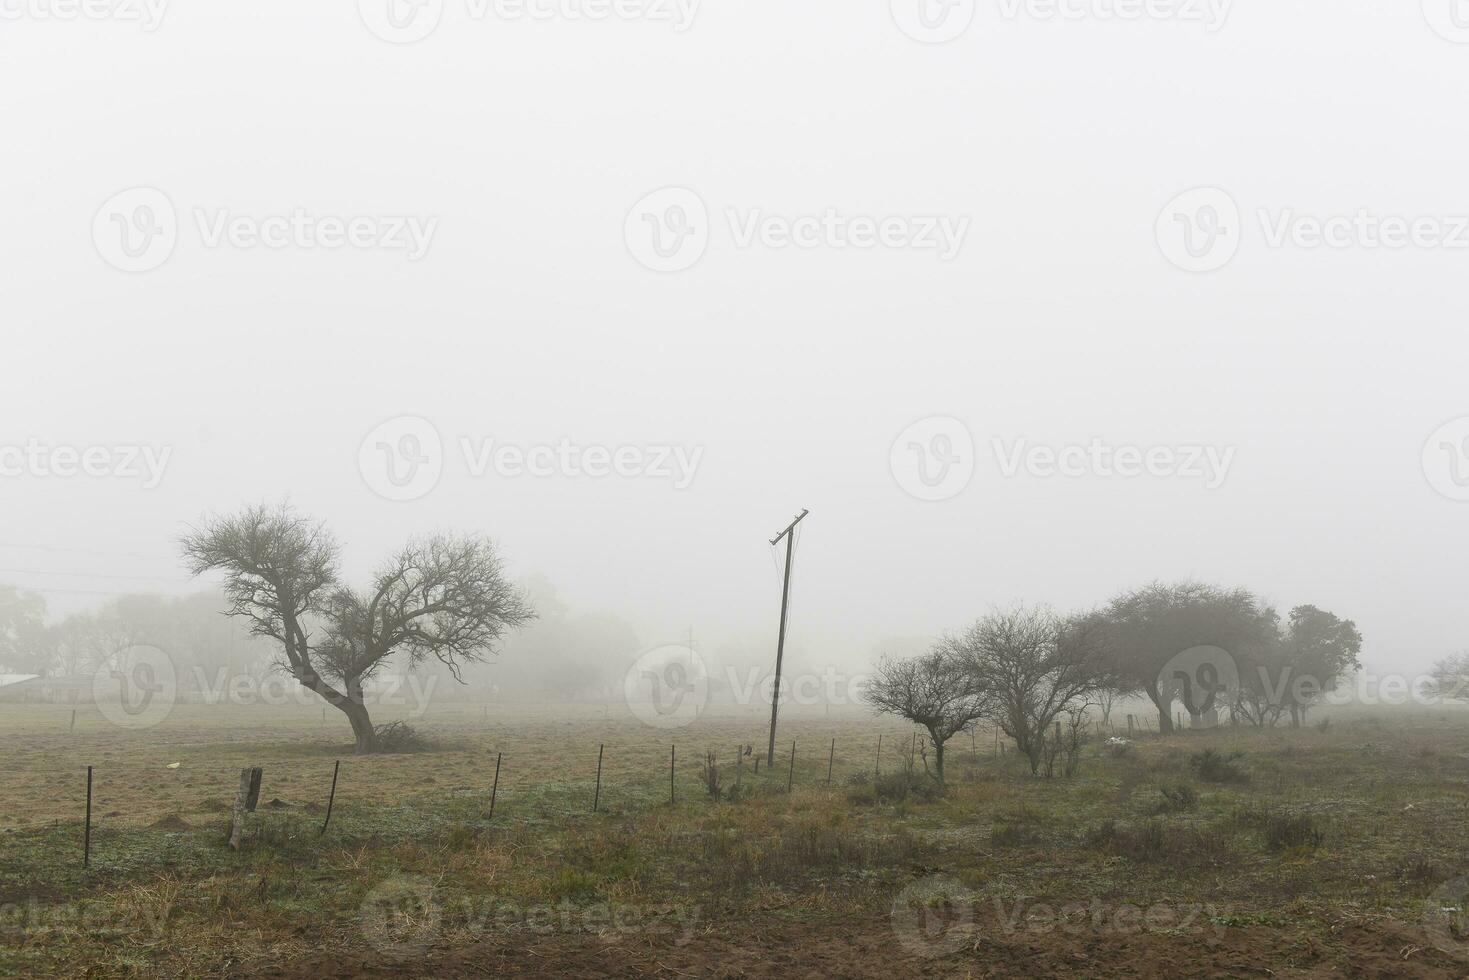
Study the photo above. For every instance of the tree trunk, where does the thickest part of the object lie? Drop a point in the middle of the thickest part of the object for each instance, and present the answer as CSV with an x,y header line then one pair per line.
x,y
351,704
938,758
1165,720
361,726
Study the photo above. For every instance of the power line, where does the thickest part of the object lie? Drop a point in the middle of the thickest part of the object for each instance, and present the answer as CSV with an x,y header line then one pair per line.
x,y
42,571
84,551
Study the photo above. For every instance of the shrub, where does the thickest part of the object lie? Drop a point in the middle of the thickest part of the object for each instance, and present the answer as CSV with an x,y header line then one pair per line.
x,y
1417,867
1282,831
1215,767
1289,831
735,861
1007,832
896,787
1176,799
1156,842
399,737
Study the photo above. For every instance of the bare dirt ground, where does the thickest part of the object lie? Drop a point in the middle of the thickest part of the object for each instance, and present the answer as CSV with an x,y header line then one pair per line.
x,y
1369,949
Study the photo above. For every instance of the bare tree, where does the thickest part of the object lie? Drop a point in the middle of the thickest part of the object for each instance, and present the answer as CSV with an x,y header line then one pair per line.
x,y
445,597
1035,665
933,690
1448,680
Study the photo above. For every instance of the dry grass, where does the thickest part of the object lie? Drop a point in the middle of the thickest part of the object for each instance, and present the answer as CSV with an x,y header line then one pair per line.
x,y
1364,818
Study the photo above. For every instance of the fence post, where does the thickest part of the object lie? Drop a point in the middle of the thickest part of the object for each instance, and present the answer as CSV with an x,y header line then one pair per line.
x,y
672,759
332,799
87,839
495,790
245,800
598,798
791,779
830,759
877,767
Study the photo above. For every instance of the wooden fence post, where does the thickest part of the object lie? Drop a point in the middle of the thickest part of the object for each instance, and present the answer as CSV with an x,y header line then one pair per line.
x,y
831,759
87,839
332,799
877,767
598,798
791,779
495,790
672,759
245,800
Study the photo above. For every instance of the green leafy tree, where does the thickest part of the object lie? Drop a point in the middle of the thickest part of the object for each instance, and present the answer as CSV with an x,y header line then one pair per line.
x,y
1152,625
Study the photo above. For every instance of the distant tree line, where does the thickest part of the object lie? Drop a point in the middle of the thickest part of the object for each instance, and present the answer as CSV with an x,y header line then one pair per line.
x,y
202,644
1034,673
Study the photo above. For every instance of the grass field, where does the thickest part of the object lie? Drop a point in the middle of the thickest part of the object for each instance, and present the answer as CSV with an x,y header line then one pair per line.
x,y
1318,851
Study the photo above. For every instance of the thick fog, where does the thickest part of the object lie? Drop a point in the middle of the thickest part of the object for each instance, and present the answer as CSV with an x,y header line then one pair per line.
x,y
322,234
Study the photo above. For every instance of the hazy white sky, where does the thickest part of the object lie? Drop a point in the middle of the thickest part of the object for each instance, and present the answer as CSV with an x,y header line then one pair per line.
x,y
521,148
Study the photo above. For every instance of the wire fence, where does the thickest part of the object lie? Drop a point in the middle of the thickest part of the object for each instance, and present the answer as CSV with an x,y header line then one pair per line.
x,y
513,781
515,772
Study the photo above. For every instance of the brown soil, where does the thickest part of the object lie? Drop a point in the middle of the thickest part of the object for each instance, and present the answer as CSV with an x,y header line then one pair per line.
x,y
1379,948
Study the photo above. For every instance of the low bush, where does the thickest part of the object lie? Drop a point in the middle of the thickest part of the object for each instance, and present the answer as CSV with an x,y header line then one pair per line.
x,y
1155,842
1289,831
897,787
1282,831
1216,767
398,737
1181,798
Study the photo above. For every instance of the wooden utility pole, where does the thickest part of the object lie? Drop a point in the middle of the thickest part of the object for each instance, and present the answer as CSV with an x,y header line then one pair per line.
x,y
780,647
